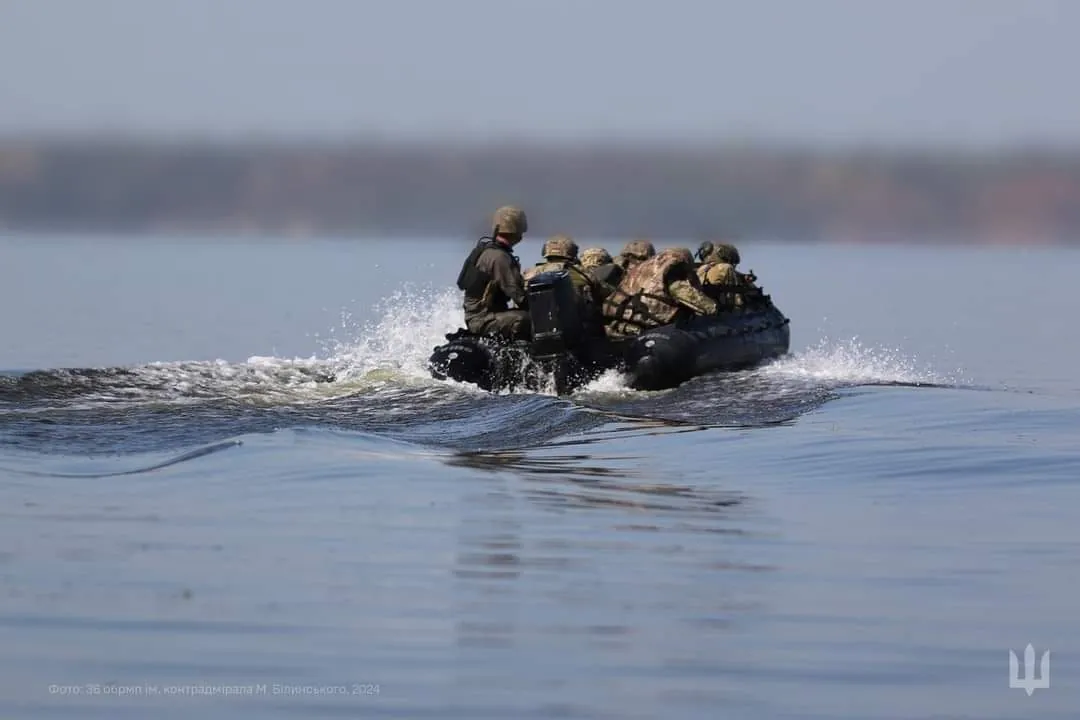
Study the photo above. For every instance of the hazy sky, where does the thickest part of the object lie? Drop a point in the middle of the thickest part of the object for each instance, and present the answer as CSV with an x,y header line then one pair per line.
x,y
974,71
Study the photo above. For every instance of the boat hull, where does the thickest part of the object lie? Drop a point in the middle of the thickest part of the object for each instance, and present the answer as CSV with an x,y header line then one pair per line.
x,y
668,356
657,359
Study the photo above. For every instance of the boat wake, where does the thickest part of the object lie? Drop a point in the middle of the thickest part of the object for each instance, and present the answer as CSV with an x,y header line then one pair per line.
x,y
850,363
372,377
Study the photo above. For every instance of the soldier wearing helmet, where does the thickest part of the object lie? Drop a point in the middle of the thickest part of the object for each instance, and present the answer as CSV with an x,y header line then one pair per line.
x,y
660,290
718,264
718,275
634,252
560,252
603,271
491,278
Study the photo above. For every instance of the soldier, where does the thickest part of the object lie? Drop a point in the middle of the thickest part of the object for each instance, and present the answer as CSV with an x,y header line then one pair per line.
x,y
491,277
718,270
718,264
603,270
634,252
658,291
560,252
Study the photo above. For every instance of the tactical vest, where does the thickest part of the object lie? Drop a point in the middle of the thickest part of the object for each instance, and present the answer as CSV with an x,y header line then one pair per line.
x,y
474,281
642,300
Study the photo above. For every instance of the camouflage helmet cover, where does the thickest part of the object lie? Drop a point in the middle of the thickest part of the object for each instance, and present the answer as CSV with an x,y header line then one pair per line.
x,y
681,254
595,257
725,253
560,246
510,220
640,249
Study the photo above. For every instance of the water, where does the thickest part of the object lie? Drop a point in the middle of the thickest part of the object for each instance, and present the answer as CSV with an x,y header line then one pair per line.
x,y
244,478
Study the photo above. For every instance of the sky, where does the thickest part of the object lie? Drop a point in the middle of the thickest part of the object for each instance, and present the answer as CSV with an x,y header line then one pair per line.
x,y
898,72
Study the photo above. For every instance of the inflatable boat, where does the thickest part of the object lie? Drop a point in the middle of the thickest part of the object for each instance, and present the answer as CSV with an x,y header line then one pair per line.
x,y
561,357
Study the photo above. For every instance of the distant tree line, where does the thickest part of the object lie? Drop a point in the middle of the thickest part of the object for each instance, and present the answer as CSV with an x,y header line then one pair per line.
x,y
596,191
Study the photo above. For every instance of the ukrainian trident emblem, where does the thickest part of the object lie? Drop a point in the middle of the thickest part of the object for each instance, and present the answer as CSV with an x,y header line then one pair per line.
x,y
1029,681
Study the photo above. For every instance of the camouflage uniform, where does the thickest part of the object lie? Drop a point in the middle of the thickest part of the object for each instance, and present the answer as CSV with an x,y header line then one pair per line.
x,y
718,264
491,278
656,292
611,276
718,269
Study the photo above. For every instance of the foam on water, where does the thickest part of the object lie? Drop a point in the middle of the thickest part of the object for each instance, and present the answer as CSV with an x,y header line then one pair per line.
x,y
827,364
849,362
390,351
411,322
610,382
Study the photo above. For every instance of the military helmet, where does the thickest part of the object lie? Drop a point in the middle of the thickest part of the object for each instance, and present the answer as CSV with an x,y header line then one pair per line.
x,y
560,246
639,249
682,254
509,220
726,253
595,257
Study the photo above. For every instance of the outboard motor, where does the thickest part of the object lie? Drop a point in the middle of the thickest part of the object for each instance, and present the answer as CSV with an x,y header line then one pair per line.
x,y
553,309
556,327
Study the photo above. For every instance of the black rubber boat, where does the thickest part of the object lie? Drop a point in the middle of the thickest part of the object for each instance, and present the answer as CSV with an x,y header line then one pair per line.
x,y
558,358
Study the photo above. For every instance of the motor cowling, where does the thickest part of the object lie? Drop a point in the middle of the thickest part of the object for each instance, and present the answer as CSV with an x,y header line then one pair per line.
x,y
553,309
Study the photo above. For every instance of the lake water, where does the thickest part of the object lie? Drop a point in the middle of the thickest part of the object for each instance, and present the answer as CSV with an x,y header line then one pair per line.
x,y
229,489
